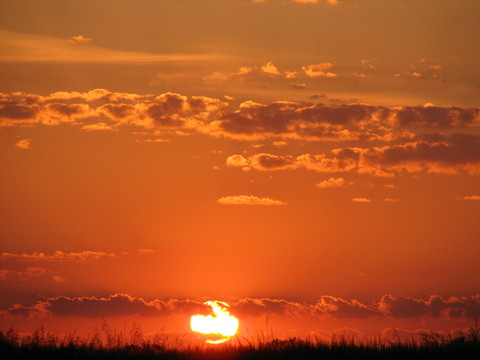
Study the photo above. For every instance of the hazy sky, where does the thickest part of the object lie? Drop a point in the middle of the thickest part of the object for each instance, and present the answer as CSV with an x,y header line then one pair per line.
x,y
314,159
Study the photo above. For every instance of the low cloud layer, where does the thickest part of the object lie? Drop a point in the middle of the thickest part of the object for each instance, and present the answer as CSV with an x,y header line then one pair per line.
x,y
61,256
435,307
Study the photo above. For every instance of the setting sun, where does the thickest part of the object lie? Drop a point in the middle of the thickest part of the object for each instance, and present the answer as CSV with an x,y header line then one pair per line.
x,y
220,324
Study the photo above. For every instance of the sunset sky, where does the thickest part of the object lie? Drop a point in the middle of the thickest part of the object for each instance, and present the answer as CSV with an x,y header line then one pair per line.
x,y
314,163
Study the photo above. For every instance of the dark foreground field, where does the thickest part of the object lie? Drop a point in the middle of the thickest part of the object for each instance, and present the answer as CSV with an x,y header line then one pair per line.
x,y
41,345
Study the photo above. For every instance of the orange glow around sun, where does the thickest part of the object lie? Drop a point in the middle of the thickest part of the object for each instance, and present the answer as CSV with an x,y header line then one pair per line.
x,y
220,324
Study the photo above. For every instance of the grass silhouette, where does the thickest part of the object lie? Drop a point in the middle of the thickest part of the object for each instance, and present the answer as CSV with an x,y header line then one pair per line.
x,y
106,343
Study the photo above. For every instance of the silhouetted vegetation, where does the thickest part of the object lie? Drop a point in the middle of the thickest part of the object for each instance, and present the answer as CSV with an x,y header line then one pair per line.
x,y
108,344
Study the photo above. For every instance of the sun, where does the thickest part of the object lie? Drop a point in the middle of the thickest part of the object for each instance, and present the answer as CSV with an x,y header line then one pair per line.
x,y
221,325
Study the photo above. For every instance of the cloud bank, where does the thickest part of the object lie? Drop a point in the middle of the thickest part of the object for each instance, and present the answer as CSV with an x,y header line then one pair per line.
x,y
435,307
367,139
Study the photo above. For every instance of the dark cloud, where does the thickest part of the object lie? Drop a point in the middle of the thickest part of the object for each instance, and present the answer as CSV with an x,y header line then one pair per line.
x,y
342,308
265,306
250,120
434,116
459,153
434,307
388,306
11,109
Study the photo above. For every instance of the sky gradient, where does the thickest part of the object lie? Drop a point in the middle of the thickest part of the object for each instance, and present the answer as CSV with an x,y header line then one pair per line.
x,y
316,164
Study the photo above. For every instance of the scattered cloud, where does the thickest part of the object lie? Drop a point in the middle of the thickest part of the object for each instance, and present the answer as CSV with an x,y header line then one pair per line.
x,y
332,182
248,200
298,85
319,70
291,74
416,138
23,144
391,186
270,69
368,64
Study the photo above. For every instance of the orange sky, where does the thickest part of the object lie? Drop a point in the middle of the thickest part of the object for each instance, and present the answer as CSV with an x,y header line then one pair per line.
x,y
323,156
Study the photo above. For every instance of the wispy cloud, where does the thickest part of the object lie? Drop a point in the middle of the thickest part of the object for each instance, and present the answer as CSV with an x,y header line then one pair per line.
x,y
470,197
79,49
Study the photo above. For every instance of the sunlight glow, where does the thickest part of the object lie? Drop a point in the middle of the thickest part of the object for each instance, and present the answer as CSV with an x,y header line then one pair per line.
x,y
220,324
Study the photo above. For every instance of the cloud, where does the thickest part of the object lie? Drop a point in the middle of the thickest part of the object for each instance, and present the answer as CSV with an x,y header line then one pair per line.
x,y
470,197
101,109
58,256
23,144
79,257
342,308
319,70
435,307
101,126
99,307
306,1
270,69
237,161
292,120
434,116
23,47
329,2
246,307
298,85
248,200
271,162
459,154
368,64
411,137
80,39
361,200
29,273
331,182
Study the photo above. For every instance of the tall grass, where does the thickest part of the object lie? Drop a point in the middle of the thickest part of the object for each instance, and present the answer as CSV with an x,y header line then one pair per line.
x,y
105,343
